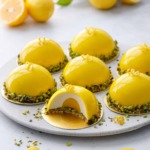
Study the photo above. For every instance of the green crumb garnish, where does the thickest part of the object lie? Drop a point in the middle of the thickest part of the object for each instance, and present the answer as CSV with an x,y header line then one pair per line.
x,y
93,88
69,144
52,68
105,58
103,120
58,67
145,116
95,127
29,99
131,110
66,110
127,116
18,143
26,112
38,114
33,143
120,71
100,124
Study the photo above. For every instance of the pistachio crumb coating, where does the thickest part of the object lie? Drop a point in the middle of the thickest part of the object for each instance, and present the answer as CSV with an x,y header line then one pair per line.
x,y
134,110
102,57
120,71
22,98
74,112
93,88
51,68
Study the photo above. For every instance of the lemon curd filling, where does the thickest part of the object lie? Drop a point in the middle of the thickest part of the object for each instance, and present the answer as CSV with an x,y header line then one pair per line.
x,y
76,101
123,97
95,42
29,83
136,58
87,71
44,52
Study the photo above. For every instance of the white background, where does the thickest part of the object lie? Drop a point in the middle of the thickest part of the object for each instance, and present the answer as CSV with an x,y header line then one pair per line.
x,y
129,25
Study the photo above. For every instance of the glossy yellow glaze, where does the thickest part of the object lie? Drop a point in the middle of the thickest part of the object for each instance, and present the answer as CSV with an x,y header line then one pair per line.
x,y
93,41
87,98
29,79
131,89
86,70
137,58
42,51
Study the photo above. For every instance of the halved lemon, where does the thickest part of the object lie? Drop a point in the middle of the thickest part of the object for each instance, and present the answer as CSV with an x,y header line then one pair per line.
x,y
95,42
29,84
45,52
129,94
13,12
87,71
137,58
72,107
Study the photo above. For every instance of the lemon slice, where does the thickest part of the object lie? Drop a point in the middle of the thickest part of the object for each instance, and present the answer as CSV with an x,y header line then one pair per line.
x,y
87,71
95,42
45,52
13,12
29,84
103,4
72,107
129,94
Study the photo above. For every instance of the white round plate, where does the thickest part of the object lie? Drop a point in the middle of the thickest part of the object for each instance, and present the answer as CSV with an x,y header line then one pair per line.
x,y
105,127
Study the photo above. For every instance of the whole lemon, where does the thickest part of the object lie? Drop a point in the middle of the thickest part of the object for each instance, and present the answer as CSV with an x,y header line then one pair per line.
x,y
40,10
103,4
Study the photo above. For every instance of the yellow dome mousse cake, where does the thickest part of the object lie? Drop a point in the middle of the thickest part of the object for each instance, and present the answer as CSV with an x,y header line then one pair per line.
x,y
137,58
130,94
44,52
29,84
72,107
87,71
95,42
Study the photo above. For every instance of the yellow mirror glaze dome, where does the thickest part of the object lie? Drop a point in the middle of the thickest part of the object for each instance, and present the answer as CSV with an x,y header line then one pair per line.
x,y
75,100
129,93
29,83
87,71
96,42
137,58
44,52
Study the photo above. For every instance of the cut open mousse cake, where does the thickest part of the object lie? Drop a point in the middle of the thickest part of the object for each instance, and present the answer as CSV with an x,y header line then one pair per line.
x,y
72,107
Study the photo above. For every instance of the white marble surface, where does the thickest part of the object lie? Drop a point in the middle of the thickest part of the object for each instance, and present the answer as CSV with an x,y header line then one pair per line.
x,y
130,25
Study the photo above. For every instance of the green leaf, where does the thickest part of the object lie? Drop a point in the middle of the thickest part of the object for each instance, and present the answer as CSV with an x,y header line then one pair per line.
x,y
64,2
